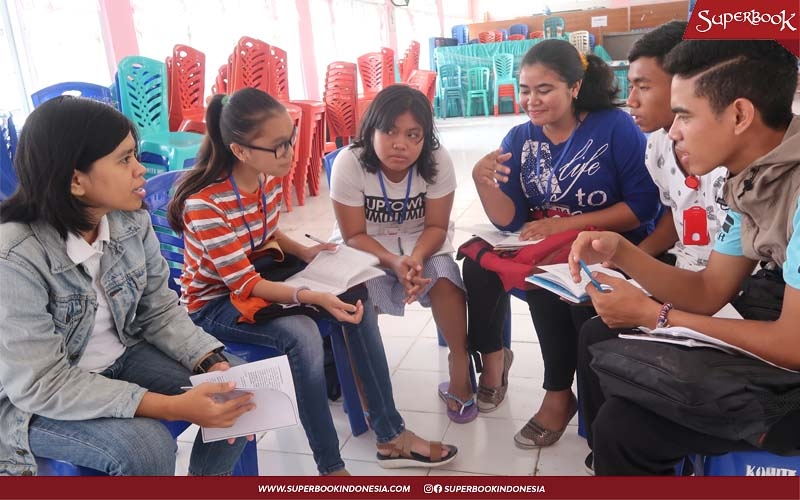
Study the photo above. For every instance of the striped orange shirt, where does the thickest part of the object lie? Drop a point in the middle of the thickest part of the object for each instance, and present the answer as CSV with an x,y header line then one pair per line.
x,y
217,242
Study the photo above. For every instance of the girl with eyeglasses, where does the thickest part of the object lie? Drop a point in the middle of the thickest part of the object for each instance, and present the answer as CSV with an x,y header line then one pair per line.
x,y
228,207
392,194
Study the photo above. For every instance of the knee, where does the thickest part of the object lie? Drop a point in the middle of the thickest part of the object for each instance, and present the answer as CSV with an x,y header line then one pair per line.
x,y
146,449
615,422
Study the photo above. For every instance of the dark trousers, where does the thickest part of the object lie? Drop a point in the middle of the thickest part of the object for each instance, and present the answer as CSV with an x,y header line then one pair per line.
x,y
629,440
556,322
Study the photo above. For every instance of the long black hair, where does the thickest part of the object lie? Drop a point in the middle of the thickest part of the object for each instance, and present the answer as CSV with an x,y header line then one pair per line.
x,y
229,119
61,136
388,104
599,87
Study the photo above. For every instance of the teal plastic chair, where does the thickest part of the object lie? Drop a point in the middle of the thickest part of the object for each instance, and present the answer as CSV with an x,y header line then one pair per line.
x,y
554,27
451,89
478,88
503,65
143,97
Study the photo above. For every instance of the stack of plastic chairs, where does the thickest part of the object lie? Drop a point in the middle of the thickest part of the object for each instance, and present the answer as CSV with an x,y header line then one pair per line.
x,y
287,181
279,70
390,76
505,84
340,97
142,84
220,85
251,65
8,146
500,35
478,87
187,89
78,89
580,40
425,82
312,146
410,61
370,68
450,89
554,27
461,33
486,37
518,29
514,38
535,34
159,191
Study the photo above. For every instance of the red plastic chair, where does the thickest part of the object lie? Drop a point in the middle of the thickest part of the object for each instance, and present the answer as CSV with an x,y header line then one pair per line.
x,y
389,77
252,66
279,83
498,35
370,67
486,36
410,61
536,34
425,82
296,114
220,85
340,99
516,37
187,82
311,144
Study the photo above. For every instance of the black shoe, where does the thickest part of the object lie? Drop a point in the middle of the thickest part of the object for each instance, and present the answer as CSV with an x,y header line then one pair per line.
x,y
588,464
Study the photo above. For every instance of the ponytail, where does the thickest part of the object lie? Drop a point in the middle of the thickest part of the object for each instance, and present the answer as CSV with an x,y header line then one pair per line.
x,y
599,87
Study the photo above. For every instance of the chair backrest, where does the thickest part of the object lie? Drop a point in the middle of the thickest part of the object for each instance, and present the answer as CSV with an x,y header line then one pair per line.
x,y
518,29
78,89
143,93
554,27
389,75
478,78
279,83
425,82
8,146
580,40
536,34
187,78
159,192
516,37
503,64
486,37
370,67
410,61
251,65
500,35
221,81
449,76
461,33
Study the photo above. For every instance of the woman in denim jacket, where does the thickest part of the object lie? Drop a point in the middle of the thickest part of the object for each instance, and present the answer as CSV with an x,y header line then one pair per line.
x,y
93,345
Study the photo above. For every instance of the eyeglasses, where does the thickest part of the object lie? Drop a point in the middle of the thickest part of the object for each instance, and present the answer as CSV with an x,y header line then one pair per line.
x,y
281,150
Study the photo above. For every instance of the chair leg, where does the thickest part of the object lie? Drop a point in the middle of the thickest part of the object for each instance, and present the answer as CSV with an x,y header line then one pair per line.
x,y
348,382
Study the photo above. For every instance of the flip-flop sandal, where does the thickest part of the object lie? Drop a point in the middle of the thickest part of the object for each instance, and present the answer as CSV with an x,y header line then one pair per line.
x,y
468,411
400,455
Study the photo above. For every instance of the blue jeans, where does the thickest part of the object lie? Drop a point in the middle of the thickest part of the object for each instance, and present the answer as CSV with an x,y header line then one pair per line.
x,y
299,338
138,446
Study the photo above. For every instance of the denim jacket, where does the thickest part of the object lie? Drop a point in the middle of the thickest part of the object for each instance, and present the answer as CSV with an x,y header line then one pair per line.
x,y
47,309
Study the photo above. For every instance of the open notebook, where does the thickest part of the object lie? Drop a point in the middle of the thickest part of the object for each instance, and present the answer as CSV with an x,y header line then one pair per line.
x,y
500,240
557,279
338,270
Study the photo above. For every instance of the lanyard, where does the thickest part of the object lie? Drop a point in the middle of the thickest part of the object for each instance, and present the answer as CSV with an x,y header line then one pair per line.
x,y
244,216
554,165
405,202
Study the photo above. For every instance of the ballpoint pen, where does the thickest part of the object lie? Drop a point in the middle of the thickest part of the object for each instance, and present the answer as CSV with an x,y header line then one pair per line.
x,y
314,238
589,274
400,245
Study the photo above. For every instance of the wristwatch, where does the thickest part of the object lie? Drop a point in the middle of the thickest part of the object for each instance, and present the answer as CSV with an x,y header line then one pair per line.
x,y
212,359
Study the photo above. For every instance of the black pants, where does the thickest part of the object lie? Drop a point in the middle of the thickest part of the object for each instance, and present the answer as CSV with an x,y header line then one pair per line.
x,y
628,440
556,322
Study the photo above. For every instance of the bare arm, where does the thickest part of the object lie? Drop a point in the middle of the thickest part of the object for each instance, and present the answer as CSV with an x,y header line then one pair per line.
x,y
618,217
437,221
486,174
663,237
353,226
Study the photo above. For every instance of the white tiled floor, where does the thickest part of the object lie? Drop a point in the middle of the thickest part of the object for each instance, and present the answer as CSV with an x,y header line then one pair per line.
x,y
416,361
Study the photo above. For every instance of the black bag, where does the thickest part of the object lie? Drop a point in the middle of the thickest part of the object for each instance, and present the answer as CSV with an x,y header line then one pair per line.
x,y
729,396
761,297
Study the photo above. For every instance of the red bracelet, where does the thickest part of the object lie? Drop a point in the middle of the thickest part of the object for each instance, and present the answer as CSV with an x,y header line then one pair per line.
x,y
662,322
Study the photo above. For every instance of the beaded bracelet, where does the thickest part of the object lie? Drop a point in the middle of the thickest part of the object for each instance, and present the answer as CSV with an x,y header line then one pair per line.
x,y
662,316
295,299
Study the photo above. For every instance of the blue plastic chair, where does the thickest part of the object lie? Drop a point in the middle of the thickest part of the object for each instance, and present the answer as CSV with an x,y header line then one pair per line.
x,y
518,29
748,463
8,146
143,97
159,192
246,466
77,89
461,33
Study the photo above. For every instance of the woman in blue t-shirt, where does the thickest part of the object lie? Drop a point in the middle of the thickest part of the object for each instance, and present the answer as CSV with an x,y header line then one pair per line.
x,y
578,162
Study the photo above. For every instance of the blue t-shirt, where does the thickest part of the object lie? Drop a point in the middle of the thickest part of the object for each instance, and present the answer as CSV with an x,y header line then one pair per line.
x,y
729,242
603,165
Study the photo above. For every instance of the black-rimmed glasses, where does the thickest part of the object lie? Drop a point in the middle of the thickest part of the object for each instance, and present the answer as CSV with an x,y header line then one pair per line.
x,y
281,150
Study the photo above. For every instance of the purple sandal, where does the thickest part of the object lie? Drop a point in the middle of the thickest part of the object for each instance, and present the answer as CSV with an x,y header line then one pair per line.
x,y
468,411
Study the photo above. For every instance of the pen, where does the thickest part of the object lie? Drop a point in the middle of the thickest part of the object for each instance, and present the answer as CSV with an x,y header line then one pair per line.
x,y
589,274
314,238
400,245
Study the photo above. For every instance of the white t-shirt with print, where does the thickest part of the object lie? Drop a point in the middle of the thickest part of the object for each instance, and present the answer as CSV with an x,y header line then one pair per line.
x,y
353,186
684,201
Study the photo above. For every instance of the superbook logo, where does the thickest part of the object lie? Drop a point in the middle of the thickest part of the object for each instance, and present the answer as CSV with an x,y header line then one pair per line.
x,y
781,20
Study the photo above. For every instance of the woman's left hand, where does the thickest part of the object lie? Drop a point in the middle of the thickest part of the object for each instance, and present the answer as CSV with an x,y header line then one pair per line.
x,y
626,306
542,228
308,253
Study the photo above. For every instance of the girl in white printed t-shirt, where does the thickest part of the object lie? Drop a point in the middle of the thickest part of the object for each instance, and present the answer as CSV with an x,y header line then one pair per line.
x,y
392,193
